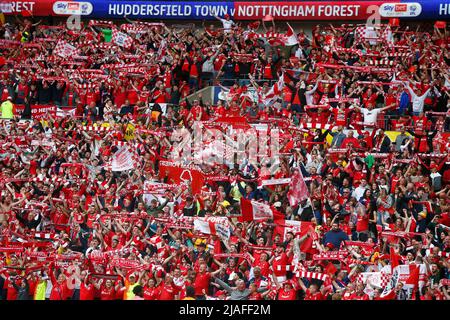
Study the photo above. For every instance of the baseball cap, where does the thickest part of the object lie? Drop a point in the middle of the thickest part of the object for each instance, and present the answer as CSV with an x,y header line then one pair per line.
x,y
225,203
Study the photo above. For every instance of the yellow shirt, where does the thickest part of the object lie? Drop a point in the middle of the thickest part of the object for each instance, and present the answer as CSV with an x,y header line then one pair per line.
x,y
41,288
7,110
236,193
129,295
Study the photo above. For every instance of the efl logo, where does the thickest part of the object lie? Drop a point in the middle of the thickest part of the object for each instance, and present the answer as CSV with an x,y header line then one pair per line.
x,y
401,7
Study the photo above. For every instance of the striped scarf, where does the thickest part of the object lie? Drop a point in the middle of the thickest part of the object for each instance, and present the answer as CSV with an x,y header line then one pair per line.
x,y
100,23
312,275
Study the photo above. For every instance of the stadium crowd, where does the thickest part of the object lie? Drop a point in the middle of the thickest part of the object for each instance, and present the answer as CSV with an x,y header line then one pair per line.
x,y
352,210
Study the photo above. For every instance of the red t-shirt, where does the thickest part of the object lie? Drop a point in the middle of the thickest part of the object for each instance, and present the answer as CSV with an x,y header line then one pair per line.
x,y
87,291
201,282
59,291
132,96
287,295
107,294
120,97
313,296
11,293
255,296
151,293
168,292
341,116
195,111
362,224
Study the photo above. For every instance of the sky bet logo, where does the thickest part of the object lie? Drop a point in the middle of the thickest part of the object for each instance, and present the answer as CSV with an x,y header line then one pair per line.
x,y
412,9
70,8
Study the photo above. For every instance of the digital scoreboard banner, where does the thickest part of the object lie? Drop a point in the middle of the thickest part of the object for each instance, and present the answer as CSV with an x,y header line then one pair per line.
x,y
238,10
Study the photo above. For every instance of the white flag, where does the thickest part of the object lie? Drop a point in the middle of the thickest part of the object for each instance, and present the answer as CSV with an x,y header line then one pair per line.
x,y
213,225
122,160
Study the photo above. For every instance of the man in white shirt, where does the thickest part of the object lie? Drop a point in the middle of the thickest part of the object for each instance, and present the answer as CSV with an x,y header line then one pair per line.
x,y
309,93
417,101
370,113
227,23
359,191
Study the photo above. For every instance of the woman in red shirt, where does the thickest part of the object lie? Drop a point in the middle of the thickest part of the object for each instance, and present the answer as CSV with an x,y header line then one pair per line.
x,y
107,291
60,291
362,224
151,292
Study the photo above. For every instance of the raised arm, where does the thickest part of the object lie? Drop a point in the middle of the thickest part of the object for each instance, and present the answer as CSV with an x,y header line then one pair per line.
x,y
223,285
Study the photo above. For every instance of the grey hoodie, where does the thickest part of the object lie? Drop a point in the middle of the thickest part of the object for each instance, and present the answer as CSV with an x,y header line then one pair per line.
x,y
236,294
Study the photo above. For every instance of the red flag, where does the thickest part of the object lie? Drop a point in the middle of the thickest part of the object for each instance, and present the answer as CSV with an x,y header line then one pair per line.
x,y
290,37
330,269
298,228
388,296
298,191
394,258
254,211
179,174
395,22
440,24
274,92
412,282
